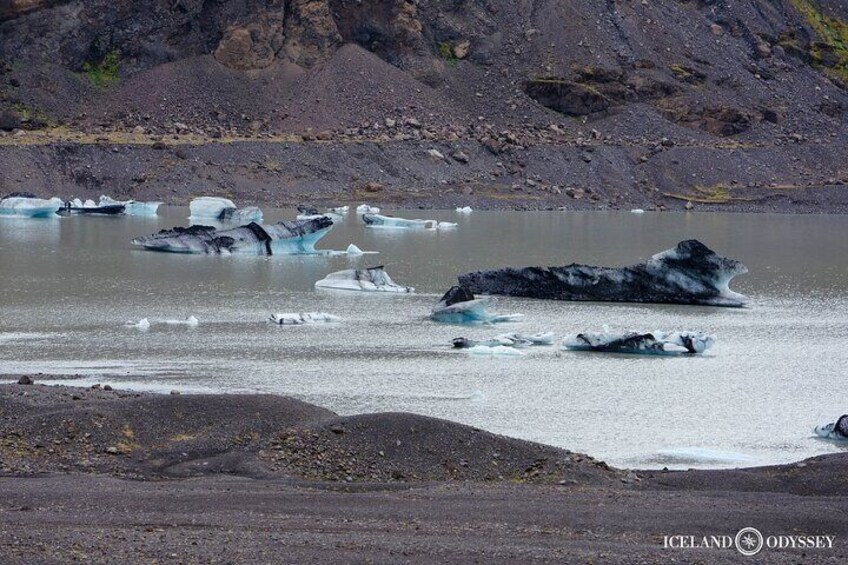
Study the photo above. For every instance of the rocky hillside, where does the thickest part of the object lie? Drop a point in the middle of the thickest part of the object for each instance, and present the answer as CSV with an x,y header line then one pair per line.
x,y
715,68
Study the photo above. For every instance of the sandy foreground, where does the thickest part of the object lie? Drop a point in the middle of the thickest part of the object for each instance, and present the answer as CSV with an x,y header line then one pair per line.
x,y
107,476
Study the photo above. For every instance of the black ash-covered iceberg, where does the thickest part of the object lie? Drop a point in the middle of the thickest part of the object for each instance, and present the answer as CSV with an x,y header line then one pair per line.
x,y
837,430
283,238
690,273
647,343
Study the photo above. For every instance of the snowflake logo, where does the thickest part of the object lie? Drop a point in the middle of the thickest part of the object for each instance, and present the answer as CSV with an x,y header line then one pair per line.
x,y
749,541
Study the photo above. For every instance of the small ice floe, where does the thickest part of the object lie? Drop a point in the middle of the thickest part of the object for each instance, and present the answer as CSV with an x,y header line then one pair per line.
x,y
218,209
77,207
28,205
303,318
371,279
637,211
464,210
143,324
132,207
354,250
837,430
383,221
458,306
366,209
498,350
507,340
649,343
340,210
312,213
190,321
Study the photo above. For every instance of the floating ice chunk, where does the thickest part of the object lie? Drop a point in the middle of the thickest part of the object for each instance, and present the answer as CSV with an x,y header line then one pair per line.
x,y
222,210
499,350
28,205
464,210
77,207
689,273
458,306
283,238
837,430
382,221
637,211
301,318
132,207
371,279
340,210
366,209
651,343
354,250
446,225
507,340
333,216
190,321
143,324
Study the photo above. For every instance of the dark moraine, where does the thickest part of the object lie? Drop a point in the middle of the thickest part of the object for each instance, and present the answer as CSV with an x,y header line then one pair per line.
x,y
690,273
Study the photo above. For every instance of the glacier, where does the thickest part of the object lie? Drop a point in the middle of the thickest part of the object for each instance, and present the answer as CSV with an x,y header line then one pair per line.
x,y
370,279
302,318
459,306
648,343
506,340
283,238
222,210
28,205
837,430
689,273
132,207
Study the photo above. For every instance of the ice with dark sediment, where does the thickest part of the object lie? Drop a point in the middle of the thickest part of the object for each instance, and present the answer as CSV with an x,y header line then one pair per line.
x,y
646,343
837,430
303,318
513,339
222,210
367,209
311,213
371,279
132,207
391,222
459,306
689,273
77,207
28,205
283,238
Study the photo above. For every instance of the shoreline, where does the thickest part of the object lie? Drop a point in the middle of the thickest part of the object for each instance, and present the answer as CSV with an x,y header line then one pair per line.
x,y
217,478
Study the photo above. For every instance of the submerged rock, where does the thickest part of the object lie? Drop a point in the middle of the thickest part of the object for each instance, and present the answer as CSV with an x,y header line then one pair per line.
x,y
284,238
690,273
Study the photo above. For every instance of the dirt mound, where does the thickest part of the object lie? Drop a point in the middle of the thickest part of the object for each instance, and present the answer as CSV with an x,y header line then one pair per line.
x,y
49,429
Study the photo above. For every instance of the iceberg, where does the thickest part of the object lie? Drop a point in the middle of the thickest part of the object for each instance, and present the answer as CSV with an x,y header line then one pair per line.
x,y
354,250
77,207
311,213
340,210
506,340
837,430
650,343
143,324
637,211
458,306
689,273
283,238
302,318
28,205
382,221
366,209
222,210
132,207
498,350
190,321
371,279
464,210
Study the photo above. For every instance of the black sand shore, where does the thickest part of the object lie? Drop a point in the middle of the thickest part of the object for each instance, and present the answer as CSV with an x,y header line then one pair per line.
x,y
108,476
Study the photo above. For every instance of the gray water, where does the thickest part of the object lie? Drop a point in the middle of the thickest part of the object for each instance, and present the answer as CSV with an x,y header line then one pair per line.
x,y
778,368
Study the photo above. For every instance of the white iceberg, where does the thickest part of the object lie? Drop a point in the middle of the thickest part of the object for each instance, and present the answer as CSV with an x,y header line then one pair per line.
x,y
283,238
637,211
464,210
837,430
143,324
222,210
190,321
458,306
382,221
340,210
28,205
302,318
648,343
497,350
366,209
132,207
371,279
354,250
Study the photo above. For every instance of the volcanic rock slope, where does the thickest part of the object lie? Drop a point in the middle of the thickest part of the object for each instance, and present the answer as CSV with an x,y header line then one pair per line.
x,y
749,68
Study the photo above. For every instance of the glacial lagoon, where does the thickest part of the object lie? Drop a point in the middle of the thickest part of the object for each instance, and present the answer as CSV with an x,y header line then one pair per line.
x,y
778,367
